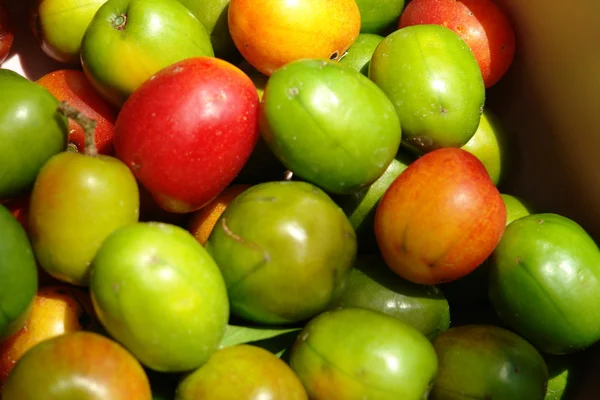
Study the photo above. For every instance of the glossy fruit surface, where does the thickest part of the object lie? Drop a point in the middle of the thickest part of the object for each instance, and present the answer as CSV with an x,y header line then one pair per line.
x,y
440,219
65,235
355,354
31,131
242,372
216,105
128,41
359,54
311,28
18,275
379,16
480,23
158,292
56,310
485,361
213,15
285,250
373,286
516,207
434,81
85,365
350,131
544,282
59,26
489,145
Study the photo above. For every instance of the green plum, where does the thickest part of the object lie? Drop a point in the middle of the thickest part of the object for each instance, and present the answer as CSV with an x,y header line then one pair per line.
x,y
60,25
516,207
128,41
18,275
487,362
360,206
158,292
31,131
78,199
359,54
355,354
373,286
242,372
329,124
545,282
379,16
489,145
213,15
285,250
435,84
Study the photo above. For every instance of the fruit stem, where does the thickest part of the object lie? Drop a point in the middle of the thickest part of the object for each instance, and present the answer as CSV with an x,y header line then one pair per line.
x,y
88,125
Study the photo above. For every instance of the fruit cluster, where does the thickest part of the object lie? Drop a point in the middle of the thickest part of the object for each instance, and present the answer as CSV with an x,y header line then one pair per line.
x,y
242,199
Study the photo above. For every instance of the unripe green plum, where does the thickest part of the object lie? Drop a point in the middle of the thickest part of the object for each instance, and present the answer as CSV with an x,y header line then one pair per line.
x,y
158,292
242,372
487,362
433,79
355,354
329,124
285,250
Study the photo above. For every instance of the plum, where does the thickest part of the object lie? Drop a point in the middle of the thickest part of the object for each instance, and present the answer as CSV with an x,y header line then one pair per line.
x,y
285,250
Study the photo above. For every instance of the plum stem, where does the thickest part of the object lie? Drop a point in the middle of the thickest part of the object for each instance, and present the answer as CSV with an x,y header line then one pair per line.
x,y
88,125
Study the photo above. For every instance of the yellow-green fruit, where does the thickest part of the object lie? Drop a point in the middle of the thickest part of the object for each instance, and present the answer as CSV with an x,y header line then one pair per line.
x,y
60,25
516,207
242,372
488,144
356,354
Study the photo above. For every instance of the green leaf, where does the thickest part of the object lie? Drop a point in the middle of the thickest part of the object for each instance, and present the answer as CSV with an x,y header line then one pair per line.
x,y
236,334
